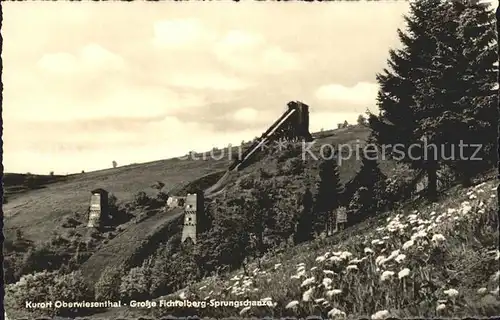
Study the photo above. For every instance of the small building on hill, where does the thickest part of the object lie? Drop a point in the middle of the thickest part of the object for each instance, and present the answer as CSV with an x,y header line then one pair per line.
x,y
98,213
175,202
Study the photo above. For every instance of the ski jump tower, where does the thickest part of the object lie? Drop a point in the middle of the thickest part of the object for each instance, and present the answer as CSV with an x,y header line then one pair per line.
x,y
193,208
292,125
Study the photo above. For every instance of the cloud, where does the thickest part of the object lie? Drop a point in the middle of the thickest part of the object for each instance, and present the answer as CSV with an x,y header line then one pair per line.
x,y
246,115
250,53
91,57
361,94
124,101
178,33
210,81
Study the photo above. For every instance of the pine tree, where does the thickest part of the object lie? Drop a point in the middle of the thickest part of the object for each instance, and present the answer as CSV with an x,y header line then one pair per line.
x,y
304,231
439,85
467,90
329,191
368,186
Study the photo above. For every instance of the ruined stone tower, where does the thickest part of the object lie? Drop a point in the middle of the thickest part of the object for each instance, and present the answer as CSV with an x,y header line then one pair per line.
x,y
98,208
193,208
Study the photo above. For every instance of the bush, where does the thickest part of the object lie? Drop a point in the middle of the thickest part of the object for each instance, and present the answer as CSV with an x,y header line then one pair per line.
x,y
50,286
247,182
70,287
108,285
31,287
136,284
293,166
162,197
142,199
70,222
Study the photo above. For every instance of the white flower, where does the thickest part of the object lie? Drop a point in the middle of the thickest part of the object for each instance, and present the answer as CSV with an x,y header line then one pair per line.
x,y
482,290
393,254
313,268
276,266
320,259
403,273
438,238
345,255
408,244
333,292
386,275
450,210
419,234
319,300
400,258
292,304
352,267
308,281
380,260
440,307
451,293
244,310
368,250
182,295
466,208
336,313
382,314
496,276
327,282
306,296
329,272
335,259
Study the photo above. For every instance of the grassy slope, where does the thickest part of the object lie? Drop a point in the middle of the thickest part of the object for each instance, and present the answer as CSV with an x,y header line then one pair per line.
x,y
39,212
14,183
466,261
126,245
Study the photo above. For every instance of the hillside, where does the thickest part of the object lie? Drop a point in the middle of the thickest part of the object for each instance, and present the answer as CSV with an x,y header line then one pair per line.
x,y
150,228
39,212
42,214
425,260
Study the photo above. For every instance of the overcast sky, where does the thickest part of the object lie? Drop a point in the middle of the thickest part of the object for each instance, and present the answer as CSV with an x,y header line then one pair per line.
x,y
89,83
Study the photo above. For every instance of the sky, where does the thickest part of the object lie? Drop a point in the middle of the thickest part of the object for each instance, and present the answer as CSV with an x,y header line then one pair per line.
x,y
87,83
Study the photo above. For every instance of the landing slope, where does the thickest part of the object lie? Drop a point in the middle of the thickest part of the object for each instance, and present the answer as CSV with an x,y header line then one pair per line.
x,y
130,246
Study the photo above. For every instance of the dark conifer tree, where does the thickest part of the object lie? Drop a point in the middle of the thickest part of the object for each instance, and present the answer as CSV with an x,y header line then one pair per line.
x,y
329,191
440,87
304,231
